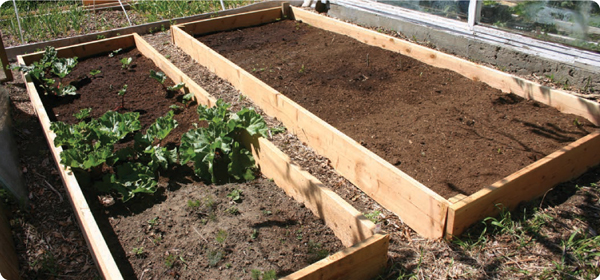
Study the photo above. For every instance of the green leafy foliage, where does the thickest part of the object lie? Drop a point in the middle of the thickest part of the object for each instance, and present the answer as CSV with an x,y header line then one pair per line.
x,y
176,87
90,145
159,76
235,195
95,72
215,150
126,62
83,113
41,72
188,97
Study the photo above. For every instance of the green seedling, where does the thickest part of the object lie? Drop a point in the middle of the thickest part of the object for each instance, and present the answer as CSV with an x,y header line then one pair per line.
x,y
138,252
373,216
126,62
235,195
193,204
254,234
221,236
170,260
188,98
153,222
95,72
122,93
214,257
115,52
83,113
159,76
176,87
232,210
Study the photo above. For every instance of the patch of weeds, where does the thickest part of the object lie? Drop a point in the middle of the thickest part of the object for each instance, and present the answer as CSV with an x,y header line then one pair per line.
x,y
138,252
170,260
214,257
209,201
157,239
299,234
221,236
316,252
193,204
235,195
153,222
47,264
254,234
100,37
232,210
256,274
374,216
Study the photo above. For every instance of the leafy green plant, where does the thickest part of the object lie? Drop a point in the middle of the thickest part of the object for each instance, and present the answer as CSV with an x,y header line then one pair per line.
x,y
159,76
126,62
138,251
122,93
176,87
83,113
88,146
373,216
188,97
95,72
215,150
50,65
235,195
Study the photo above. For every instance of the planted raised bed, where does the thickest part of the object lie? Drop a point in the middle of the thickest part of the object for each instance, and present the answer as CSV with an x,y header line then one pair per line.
x,y
367,251
429,213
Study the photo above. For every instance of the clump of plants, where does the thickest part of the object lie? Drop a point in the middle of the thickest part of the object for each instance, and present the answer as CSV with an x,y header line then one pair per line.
x,y
44,72
161,78
90,146
215,151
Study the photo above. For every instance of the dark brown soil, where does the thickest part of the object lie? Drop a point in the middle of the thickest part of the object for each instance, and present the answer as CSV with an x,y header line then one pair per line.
x,y
166,235
450,133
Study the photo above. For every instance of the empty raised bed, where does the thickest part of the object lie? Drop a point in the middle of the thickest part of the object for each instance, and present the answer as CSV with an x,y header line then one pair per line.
x,y
362,92
366,252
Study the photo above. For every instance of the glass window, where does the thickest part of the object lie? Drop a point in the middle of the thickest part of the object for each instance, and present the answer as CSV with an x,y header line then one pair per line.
x,y
575,23
453,9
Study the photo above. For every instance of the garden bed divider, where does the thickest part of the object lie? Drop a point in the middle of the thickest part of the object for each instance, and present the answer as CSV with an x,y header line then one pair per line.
x,y
429,214
366,254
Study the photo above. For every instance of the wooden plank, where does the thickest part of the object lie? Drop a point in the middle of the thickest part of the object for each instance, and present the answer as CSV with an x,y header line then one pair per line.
x,y
561,100
86,49
96,243
233,21
349,225
362,261
530,182
419,207
4,60
9,264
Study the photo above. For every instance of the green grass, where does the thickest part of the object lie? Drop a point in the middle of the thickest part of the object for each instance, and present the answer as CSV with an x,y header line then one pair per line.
x,y
47,20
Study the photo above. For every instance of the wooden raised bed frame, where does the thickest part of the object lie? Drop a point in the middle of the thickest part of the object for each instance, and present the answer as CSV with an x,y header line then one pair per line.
x,y
425,211
367,250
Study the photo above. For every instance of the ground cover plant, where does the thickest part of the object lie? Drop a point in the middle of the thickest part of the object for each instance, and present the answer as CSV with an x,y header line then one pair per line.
x,y
118,156
46,20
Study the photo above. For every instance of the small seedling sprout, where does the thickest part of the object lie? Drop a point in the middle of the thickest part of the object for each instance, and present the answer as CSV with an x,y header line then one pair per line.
x,y
126,62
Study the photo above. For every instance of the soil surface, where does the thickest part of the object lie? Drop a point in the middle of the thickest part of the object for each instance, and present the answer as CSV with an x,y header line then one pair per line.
x,y
187,228
450,133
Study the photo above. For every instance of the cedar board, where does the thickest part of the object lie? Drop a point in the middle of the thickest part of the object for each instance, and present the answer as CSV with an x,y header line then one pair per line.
x,y
426,212
367,250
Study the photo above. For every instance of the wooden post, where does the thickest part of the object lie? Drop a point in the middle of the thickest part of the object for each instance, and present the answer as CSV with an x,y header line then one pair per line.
x,y
4,60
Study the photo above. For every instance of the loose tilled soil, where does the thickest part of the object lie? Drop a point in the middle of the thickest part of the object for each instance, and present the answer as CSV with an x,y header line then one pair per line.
x,y
188,229
450,133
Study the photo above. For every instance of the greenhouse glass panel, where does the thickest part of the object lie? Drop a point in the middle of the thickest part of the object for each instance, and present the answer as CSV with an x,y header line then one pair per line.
x,y
447,8
575,23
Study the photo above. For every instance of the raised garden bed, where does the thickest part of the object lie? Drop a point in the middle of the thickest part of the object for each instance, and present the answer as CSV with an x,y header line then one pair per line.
x,y
426,211
364,258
